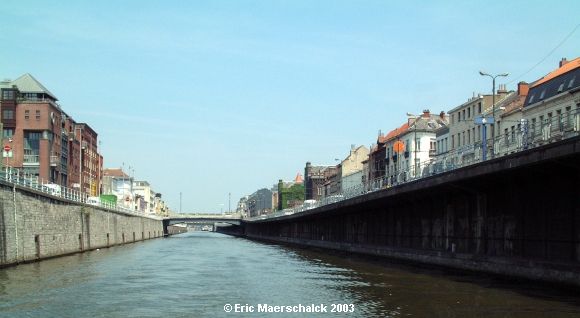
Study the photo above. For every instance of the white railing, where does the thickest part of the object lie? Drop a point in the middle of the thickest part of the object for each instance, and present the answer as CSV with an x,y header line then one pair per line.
x,y
17,177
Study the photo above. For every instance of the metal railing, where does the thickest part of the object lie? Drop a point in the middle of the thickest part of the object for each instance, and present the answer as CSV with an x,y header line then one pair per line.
x,y
19,178
524,136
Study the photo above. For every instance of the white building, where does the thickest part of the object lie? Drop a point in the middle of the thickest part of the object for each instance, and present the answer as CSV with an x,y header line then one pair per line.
x,y
418,139
142,189
552,108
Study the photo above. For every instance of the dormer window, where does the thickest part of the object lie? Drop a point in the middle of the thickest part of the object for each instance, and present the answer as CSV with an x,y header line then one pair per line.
x,y
571,82
561,88
531,99
543,94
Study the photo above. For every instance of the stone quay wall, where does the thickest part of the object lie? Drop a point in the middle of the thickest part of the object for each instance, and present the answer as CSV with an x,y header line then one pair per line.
x,y
35,225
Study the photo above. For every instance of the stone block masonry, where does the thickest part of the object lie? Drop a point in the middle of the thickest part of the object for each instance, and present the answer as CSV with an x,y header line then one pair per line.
x,y
34,226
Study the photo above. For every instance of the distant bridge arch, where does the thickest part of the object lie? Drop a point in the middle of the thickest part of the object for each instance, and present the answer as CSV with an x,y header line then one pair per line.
x,y
201,218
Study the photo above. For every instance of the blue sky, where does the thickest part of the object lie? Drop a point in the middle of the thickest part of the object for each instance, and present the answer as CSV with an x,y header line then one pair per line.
x,y
211,97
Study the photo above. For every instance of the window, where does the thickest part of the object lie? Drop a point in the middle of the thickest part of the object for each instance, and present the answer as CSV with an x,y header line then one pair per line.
x,y
468,136
452,142
8,114
469,112
479,107
531,100
8,95
506,141
26,114
513,133
453,118
8,132
560,88
37,114
418,144
543,94
571,82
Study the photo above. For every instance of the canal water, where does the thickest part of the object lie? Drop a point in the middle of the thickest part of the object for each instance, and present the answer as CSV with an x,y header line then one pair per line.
x,y
200,274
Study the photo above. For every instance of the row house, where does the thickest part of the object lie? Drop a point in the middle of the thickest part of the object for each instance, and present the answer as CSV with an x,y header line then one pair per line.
x,y
551,110
46,142
374,166
347,175
145,197
120,184
316,180
544,111
291,194
417,138
260,202
464,134
131,194
351,169
509,121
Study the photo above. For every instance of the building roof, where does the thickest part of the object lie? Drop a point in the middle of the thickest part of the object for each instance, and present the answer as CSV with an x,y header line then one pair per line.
x,y
28,84
565,78
114,172
6,84
298,179
428,122
567,67
512,104
395,133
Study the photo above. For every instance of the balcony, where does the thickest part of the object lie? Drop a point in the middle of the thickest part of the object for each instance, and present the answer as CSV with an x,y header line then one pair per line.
x,y
54,161
31,160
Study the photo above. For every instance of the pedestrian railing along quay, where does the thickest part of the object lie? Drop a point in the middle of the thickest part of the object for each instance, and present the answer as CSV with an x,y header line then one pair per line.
x,y
19,178
519,136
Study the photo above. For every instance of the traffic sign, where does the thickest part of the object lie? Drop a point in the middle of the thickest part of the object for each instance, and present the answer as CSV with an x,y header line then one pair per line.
x,y
7,148
399,146
481,120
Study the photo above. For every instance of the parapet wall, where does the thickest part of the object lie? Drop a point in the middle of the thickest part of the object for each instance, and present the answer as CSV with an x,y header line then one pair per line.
x,y
34,226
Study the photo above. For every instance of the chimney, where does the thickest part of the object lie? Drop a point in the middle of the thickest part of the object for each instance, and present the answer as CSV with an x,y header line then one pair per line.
x,y
563,62
426,113
523,89
502,89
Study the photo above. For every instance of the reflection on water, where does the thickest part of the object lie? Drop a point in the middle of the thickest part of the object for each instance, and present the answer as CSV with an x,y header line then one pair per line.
x,y
196,274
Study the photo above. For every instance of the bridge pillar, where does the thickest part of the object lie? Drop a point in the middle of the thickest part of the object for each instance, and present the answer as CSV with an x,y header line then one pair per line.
x,y
165,225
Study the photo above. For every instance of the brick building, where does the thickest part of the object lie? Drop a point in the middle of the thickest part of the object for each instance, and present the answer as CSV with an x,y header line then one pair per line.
x,y
45,141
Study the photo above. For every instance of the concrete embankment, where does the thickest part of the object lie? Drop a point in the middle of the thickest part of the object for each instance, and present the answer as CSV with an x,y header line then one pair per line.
x,y
34,226
517,216
547,272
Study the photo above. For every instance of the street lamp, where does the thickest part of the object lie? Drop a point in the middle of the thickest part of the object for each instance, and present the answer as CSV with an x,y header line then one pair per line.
x,y
493,108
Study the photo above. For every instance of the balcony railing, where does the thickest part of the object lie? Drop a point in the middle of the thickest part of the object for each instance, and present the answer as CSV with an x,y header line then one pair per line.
x,y
31,159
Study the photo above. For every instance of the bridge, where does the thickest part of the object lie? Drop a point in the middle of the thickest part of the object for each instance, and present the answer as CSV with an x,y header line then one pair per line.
x,y
201,218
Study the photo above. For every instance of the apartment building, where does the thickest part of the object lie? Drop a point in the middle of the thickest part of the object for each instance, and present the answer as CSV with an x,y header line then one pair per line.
x,y
45,141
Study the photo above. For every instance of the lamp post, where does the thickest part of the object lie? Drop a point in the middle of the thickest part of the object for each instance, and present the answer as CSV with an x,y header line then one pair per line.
x,y
493,108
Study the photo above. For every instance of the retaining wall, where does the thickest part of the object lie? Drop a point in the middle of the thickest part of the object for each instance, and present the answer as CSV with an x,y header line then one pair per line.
x,y
517,216
34,225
